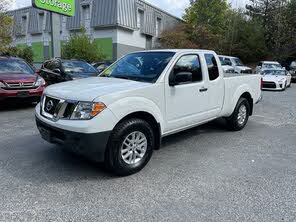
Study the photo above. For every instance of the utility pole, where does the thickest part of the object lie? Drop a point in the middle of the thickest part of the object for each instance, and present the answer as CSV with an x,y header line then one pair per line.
x,y
55,35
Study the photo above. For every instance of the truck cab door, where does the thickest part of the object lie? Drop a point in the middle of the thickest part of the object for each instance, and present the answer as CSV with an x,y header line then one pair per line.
x,y
216,85
186,94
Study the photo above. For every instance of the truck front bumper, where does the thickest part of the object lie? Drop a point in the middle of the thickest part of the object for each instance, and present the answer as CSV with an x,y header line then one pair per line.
x,y
90,145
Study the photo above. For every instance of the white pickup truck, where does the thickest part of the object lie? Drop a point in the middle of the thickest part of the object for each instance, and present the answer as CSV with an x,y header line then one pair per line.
x,y
122,116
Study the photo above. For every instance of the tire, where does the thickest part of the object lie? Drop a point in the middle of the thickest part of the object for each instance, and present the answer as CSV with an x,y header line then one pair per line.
x,y
117,149
233,122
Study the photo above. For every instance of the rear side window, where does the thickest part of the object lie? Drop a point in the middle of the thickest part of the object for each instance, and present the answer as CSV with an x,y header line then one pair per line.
x,y
189,63
212,66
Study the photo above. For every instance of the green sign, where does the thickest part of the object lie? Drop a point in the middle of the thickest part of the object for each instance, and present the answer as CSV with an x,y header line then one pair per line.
x,y
64,7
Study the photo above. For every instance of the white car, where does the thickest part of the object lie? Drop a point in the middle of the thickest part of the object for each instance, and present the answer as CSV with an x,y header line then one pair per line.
x,y
227,68
236,64
268,65
122,116
276,79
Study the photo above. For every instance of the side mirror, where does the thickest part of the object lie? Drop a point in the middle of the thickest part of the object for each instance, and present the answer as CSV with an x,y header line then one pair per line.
x,y
57,71
181,77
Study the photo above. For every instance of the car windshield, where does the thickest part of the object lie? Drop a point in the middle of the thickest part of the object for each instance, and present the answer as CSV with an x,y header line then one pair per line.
x,y
78,67
238,62
274,72
142,66
272,66
15,67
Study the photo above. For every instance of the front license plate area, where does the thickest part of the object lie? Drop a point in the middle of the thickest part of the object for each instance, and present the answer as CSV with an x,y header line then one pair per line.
x,y
23,94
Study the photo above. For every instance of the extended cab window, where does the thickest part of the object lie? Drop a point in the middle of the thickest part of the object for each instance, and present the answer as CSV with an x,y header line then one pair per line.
x,y
189,63
212,66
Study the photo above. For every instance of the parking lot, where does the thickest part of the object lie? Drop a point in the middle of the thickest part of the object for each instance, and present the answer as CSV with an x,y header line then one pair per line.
x,y
203,174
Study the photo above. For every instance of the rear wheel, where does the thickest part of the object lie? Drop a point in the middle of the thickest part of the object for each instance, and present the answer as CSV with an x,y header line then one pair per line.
x,y
239,118
130,147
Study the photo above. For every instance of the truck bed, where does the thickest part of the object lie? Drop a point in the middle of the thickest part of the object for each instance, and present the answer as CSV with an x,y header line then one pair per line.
x,y
235,85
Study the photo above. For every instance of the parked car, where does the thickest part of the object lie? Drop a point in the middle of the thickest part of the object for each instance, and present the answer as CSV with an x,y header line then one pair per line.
x,y
293,71
268,65
18,80
101,66
237,64
276,79
121,117
226,65
58,70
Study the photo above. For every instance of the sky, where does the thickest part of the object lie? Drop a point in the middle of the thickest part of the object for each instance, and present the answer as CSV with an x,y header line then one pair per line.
x,y
175,7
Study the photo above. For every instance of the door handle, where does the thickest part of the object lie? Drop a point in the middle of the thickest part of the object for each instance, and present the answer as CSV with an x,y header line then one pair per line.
x,y
203,89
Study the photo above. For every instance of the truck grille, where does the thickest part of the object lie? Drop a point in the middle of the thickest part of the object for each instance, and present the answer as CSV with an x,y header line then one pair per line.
x,y
269,85
53,108
19,85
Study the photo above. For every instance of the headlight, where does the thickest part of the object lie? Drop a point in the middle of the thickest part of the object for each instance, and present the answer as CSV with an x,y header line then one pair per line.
x,y
87,110
2,85
40,82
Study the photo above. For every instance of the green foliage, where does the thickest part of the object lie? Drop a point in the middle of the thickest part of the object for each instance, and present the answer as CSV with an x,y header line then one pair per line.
x,y
81,47
5,32
213,24
25,53
279,25
208,13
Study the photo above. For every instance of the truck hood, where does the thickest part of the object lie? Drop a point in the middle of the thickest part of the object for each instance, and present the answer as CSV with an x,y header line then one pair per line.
x,y
13,77
273,78
91,88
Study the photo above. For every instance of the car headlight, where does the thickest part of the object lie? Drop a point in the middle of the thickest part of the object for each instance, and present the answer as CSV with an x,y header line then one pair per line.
x,y
2,85
87,110
40,82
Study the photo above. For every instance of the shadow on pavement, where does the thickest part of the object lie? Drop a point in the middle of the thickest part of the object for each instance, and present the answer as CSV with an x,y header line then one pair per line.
x,y
16,105
216,126
31,159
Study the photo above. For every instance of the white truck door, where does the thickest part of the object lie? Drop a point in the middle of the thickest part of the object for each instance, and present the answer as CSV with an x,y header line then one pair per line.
x,y
215,86
186,102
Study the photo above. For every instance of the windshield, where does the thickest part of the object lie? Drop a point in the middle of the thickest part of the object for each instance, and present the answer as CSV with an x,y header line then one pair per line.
x,y
274,72
78,67
272,66
238,62
143,66
15,67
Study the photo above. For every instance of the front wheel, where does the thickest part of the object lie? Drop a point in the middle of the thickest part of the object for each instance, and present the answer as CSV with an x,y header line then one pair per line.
x,y
239,118
130,147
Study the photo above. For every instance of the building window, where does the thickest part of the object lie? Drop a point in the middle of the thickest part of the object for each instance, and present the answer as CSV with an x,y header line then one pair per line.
x,y
158,27
24,25
140,18
85,16
41,21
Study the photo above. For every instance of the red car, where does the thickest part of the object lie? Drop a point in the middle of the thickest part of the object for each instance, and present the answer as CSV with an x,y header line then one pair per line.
x,y
18,80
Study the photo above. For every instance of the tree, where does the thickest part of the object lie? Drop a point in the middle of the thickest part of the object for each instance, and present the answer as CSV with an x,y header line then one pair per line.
x,y
279,23
5,26
81,47
213,24
25,53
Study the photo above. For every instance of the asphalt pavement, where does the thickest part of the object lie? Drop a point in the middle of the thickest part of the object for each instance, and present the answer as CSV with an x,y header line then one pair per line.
x,y
204,174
